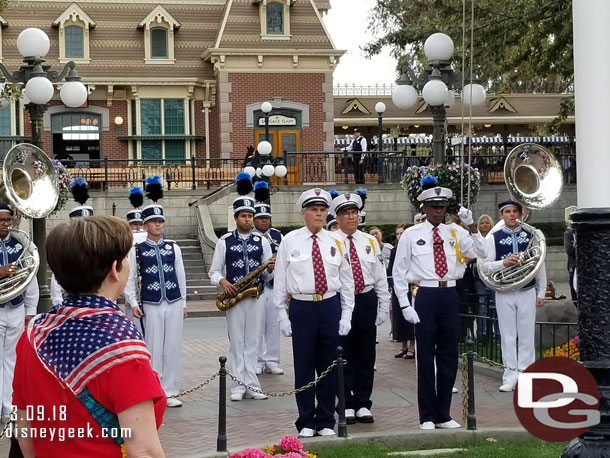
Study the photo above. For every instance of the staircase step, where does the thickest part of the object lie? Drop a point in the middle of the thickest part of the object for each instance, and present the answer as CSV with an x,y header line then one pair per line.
x,y
187,242
193,262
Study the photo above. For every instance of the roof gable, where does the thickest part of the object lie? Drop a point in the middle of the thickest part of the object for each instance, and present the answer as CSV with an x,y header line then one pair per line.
x,y
74,13
158,15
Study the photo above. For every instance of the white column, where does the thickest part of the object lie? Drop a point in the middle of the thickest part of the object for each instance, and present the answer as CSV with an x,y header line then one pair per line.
x,y
206,113
592,101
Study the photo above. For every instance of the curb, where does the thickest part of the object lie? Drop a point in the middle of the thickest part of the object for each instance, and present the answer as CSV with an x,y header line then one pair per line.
x,y
412,437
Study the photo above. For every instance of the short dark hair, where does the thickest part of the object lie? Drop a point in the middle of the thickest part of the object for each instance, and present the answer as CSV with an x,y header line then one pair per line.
x,y
82,251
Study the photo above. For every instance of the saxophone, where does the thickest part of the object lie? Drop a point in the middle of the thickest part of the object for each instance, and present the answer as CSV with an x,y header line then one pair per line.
x,y
245,288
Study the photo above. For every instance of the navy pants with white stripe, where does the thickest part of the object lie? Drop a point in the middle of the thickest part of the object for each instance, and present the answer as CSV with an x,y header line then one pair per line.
x,y
315,335
436,336
359,351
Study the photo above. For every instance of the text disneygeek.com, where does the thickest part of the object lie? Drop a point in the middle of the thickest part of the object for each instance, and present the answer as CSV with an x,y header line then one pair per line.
x,y
63,433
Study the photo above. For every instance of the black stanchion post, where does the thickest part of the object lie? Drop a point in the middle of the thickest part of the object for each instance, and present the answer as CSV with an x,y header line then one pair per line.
x,y
221,441
113,208
472,419
342,429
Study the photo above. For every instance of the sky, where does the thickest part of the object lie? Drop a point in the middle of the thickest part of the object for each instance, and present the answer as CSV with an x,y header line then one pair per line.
x,y
347,24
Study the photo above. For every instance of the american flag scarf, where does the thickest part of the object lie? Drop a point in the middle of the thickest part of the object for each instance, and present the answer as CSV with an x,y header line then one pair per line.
x,y
83,337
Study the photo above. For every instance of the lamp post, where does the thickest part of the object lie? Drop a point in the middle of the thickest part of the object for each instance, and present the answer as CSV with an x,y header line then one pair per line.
x,y
380,109
591,221
266,169
266,108
436,85
33,44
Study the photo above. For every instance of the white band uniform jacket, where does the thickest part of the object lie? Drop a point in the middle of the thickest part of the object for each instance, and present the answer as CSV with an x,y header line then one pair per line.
x,y
294,268
490,266
414,260
372,266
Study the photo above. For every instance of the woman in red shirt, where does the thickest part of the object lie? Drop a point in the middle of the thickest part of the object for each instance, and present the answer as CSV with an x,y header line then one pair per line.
x,y
83,383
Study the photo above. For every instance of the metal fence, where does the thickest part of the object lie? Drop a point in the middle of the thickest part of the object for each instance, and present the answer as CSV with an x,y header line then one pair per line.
x,y
329,168
552,338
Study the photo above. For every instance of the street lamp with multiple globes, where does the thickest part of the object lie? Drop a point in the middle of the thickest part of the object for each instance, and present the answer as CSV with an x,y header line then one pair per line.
x,y
436,85
266,109
36,78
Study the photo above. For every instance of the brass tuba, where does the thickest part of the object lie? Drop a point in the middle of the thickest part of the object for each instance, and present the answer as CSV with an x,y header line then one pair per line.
x,y
534,178
30,185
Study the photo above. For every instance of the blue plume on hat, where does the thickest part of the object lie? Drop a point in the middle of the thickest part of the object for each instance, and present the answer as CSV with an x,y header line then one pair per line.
x,y
243,181
136,196
363,195
333,193
261,191
154,188
80,190
428,182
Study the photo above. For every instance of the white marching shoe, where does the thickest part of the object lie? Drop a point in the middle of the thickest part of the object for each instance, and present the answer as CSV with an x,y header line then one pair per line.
x,y
274,370
254,395
427,425
306,432
507,388
326,432
237,396
454,390
173,402
451,424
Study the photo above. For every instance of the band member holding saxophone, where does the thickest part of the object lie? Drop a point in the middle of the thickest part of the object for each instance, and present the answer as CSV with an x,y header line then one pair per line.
x,y
516,308
239,253
159,298
269,347
312,267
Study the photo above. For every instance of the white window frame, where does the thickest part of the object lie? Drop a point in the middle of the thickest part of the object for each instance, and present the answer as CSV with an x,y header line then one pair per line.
x,y
159,17
262,5
74,16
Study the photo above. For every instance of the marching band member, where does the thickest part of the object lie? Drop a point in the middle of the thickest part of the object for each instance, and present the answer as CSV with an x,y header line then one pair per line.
x,y
12,315
238,253
372,304
136,224
80,191
312,267
269,347
161,296
427,254
516,309
331,223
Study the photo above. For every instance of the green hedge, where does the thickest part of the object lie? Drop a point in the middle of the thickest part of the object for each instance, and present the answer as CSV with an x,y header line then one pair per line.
x,y
552,231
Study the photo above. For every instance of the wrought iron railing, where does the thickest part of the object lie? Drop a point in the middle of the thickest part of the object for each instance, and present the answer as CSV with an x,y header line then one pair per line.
x,y
328,168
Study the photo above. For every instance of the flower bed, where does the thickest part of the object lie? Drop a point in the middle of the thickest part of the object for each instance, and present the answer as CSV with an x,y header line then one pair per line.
x,y
289,447
567,350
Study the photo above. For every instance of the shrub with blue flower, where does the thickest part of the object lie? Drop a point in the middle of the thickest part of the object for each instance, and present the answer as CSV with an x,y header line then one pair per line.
x,y
448,176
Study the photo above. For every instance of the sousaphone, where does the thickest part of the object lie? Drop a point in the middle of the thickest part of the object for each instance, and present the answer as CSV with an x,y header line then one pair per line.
x,y
30,185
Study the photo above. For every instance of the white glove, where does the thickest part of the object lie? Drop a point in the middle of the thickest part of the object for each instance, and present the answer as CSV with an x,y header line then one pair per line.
x,y
285,326
465,216
344,326
410,315
382,317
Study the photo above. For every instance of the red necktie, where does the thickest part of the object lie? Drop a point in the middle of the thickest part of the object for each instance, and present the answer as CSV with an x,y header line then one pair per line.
x,y
319,274
356,267
440,261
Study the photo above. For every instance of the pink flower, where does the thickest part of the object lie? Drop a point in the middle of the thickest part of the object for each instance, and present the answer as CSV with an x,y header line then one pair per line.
x,y
575,340
253,453
291,444
290,455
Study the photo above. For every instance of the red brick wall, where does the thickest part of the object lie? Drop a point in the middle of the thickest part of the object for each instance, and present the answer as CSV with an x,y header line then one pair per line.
x,y
305,88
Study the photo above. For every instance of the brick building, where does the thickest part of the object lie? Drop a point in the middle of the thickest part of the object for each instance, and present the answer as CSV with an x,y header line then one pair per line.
x,y
179,79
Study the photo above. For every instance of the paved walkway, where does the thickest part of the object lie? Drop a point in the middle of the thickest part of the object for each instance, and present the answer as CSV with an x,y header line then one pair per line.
x,y
191,430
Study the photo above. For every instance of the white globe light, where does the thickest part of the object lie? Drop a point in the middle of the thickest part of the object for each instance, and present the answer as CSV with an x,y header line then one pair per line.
x,y
478,95
264,148
259,172
268,170
380,107
266,107
450,99
281,171
40,90
250,171
438,46
73,94
435,93
33,42
404,96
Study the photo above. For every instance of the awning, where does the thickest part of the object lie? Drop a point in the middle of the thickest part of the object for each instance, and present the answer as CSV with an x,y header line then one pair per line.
x,y
163,137
477,141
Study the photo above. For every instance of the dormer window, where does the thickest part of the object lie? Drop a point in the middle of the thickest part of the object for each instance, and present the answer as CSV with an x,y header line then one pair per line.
x,y
158,43
74,26
159,28
275,19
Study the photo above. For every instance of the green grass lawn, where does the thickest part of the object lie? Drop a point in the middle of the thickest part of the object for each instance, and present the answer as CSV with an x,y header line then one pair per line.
x,y
478,449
